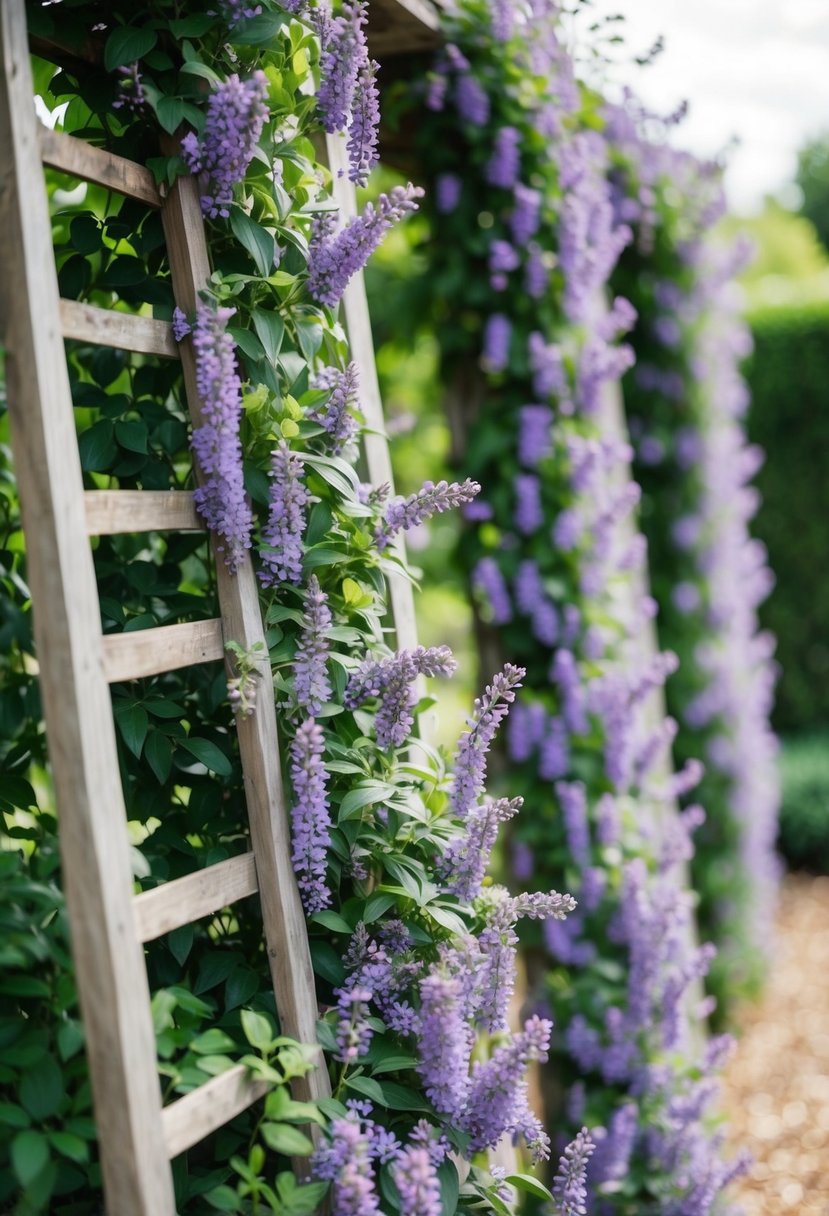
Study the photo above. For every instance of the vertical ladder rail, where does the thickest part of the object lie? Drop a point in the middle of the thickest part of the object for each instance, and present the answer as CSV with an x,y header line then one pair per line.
x,y
97,877
286,934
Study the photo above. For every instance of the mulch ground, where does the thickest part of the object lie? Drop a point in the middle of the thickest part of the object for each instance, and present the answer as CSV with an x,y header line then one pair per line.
x,y
776,1090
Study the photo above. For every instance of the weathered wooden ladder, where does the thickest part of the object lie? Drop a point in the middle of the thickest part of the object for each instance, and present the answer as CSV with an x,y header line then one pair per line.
x,y
77,664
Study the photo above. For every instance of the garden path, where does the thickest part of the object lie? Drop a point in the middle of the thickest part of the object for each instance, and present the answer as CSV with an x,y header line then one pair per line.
x,y
776,1092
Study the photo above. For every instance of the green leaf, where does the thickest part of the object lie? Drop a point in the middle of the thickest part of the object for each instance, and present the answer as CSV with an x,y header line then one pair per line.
x,y
70,1146
13,1116
252,236
192,27
127,44
211,756
171,112
214,969
247,342
376,904
30,1155
283,1138
256,31
132,723
240,987
70,1039
526,1182
449,1187
212,1042
132,434
327,962
180,942
258,1030
41,1090
85,234
97,446
194,67
17,792
394,1063
332,920
158,752
271,330
223,1199
362,796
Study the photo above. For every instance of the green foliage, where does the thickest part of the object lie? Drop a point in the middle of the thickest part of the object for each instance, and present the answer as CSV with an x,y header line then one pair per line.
x,y
813,179
804,813
788,374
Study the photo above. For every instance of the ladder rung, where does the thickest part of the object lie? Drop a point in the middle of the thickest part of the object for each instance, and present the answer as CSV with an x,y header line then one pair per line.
x,y
184,900
197,1114
75,156
109,512
124,330
148,652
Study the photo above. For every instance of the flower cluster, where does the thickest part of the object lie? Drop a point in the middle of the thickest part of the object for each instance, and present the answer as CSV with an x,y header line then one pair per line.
x,y
220,497
348,98
402,514
236,113
281,551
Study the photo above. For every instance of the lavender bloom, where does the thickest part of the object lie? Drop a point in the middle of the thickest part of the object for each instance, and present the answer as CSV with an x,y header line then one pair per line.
x,y
496,975
181,326
417,1183
404,513
535,441
497,332
353,1031
529,515
497,1092
466,860
488,581
472,101
221,497
503,166
346,1163
363,133
392,681
503,259
547,366
236,113
554,759
444,1044
335,416
470,758
526,214
311,684
573,799
610,1164
569,1187
336,256
537,272
310,820
568,528
131,94
344,55
281,552
235,11
447,192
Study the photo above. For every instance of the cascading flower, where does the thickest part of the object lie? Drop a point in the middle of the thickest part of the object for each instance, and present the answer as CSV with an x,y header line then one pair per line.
x,y
220,497
281,551
470,758
392,681
569,1189
310,817
336,256
312,687
236,114
402,514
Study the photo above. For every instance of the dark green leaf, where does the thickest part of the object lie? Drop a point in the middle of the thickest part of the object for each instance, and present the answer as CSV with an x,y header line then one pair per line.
x,y
70,1146
257,31
180,942
97,446
41,1090
449,1187
526,1182
211,756
30,1154
283,1138
171,112
126,44
332,920
158,752
132,722
132,434
271,330
253,237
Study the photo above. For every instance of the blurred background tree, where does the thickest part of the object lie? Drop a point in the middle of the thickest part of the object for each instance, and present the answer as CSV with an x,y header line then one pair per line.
x,y
813,181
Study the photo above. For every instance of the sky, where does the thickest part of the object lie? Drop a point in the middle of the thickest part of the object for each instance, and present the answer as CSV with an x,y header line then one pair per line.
x,y
752,70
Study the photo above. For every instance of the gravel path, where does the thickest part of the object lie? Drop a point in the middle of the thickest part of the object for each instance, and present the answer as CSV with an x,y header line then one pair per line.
x,y
776,1091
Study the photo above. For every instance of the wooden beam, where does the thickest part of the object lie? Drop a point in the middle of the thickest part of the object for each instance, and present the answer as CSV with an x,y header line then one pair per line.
x,y
148,652
190,1118
286,933
402,27
95,852
184,900
110,512
124,330
80,159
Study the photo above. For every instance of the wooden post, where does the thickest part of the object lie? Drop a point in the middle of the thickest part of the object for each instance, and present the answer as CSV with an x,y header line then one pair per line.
x,y
97,877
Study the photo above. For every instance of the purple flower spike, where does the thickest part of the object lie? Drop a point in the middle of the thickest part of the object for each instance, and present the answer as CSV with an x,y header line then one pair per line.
x,y
497,334
335,415
336,256
402,514
282,556
444,1044
392,680
417,1183
497,1100
488,581
236,113
470,758
505,162
467,857
363,129
221,496
569,1187
353,1031
344,55
311,684
310,820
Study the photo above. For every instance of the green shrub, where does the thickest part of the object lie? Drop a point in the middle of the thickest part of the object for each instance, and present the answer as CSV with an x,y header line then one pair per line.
x,y
789,379
804,815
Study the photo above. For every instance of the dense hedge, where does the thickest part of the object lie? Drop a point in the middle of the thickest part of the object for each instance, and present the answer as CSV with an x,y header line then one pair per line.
x,y
788,374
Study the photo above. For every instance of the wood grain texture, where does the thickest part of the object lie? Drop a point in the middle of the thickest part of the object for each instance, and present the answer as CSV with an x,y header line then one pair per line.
x,y
148,652
203,1110
123,330
110,512
97,876
284,921
80,159
375,443
183,900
